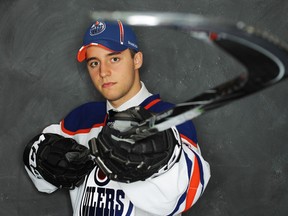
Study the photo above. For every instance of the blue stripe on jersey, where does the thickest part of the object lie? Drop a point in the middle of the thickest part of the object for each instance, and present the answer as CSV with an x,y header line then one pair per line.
x,y
129,209
85,116
89,114
158,107
188,129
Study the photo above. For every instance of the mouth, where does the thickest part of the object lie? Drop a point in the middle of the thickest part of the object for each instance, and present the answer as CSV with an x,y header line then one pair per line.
x,y
108,84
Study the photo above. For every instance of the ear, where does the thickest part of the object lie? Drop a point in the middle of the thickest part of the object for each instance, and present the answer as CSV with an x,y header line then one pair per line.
x,y
138,60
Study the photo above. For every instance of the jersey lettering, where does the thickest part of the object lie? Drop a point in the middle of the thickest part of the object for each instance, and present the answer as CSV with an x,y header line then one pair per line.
x,y
103,201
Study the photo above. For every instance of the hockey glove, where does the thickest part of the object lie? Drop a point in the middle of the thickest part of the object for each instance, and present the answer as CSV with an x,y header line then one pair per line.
x,y
129,161
60,161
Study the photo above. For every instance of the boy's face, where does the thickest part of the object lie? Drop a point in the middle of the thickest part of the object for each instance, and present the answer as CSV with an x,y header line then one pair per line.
x,y
114,74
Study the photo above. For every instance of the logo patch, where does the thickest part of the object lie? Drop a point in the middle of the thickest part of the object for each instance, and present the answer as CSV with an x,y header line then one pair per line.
x,y
97,28
100,178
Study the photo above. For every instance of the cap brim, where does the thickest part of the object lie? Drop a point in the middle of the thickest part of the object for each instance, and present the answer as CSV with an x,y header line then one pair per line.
x,y
81,56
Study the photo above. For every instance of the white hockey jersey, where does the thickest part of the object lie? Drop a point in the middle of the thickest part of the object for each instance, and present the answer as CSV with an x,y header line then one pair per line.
x,y
170,193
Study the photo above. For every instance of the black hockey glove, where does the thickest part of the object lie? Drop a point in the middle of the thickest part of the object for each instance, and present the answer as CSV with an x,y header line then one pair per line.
x,y
129,161
60,161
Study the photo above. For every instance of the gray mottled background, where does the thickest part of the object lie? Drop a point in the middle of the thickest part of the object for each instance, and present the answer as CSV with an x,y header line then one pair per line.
x,y
40,82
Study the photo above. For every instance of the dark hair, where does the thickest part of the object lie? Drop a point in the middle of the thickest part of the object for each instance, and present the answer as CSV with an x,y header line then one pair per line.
x,y
132,52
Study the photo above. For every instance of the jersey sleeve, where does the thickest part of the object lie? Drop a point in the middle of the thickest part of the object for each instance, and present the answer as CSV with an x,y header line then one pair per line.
x,y
177,189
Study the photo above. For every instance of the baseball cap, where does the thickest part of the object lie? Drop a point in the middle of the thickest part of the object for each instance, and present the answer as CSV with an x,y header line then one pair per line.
x,y
114,36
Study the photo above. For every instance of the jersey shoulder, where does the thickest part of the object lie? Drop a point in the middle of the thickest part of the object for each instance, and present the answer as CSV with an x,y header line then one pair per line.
x,y
187,129
85,117
155,104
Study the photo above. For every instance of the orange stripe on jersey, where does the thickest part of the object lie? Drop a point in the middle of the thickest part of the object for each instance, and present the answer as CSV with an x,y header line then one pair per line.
x,y
189,140
152,103
193,186
82,130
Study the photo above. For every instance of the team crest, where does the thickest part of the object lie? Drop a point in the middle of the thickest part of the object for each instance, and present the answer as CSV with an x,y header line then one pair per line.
x,y
97,28
100,178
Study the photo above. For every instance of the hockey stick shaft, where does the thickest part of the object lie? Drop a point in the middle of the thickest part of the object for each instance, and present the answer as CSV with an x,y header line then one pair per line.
x,y
263,55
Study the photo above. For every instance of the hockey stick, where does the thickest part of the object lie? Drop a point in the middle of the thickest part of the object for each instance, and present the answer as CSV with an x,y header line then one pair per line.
x,y
264,56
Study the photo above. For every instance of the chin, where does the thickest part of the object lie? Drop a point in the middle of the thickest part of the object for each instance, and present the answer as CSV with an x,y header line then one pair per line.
x,y
111,98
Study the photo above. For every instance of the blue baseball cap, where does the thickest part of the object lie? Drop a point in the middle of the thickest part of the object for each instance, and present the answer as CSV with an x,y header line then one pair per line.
x,y
114,36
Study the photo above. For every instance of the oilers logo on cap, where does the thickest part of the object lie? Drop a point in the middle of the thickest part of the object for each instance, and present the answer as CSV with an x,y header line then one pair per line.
x,y
97,28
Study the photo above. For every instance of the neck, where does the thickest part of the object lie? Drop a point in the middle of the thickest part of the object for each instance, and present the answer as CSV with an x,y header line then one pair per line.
x,y
134,91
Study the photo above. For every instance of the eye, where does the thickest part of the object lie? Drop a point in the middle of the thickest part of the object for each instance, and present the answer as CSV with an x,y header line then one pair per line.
x,y
93,64
115,59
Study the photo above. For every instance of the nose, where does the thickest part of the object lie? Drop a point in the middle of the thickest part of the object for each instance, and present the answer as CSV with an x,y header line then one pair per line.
x,y
104,70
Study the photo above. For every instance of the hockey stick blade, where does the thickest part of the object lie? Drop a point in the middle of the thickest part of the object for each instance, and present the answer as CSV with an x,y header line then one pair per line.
x,y
264,56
